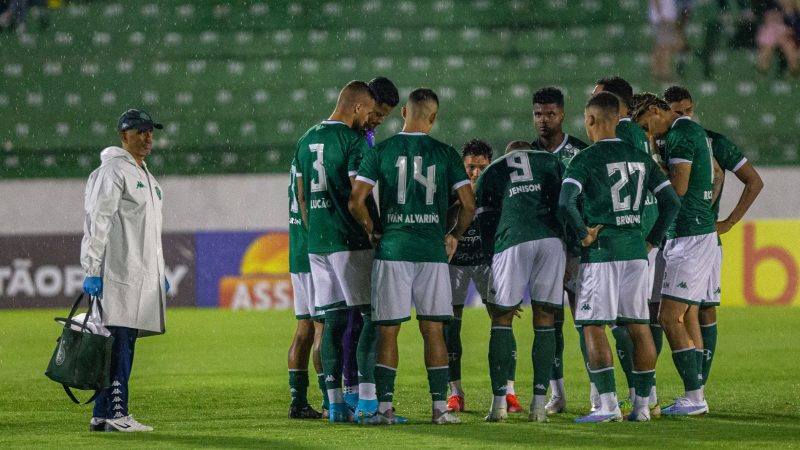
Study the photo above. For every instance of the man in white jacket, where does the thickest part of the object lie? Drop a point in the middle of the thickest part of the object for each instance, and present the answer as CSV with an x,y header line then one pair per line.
x,y
122,256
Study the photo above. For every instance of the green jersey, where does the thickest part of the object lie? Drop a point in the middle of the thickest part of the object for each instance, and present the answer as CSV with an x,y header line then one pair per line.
x,y
298,236
728,156
688,142
523,188
469,251
327,156
613,177
632,134
566,150
416,175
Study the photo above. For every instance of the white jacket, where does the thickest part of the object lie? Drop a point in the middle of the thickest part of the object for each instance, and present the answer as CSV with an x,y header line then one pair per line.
x,y
122,242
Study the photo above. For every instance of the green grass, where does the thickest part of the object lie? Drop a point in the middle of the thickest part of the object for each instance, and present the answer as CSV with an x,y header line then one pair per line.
x,y
218,379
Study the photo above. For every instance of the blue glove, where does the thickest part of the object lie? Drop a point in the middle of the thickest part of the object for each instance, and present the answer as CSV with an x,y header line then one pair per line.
x,y
166,285
93,286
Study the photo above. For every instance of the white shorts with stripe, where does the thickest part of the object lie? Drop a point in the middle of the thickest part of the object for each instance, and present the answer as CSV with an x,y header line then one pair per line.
x,y
714,289
303,289
399,285
611,292
537,265
689,262
460,277
341,279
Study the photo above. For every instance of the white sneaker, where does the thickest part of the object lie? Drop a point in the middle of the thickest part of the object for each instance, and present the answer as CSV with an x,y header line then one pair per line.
x,y
601,416
538,414
686,407
556,405
498,415
126,424
444,418
640,414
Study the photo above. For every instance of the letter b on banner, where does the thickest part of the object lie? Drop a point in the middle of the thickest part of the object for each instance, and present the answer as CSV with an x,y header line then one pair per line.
x,y
770,271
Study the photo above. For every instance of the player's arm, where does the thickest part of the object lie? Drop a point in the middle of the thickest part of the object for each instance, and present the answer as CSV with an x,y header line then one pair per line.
x,y
719,180
301,199
465,215
753,184
679,173
571,216
668,207
357,205
101,202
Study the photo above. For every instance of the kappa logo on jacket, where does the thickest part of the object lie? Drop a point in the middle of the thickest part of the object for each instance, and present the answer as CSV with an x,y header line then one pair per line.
x,y
139,185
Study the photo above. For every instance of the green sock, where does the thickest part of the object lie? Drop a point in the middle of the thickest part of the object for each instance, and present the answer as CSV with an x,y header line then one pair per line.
x,y
500,347
558,360
700,357
437,382
709,333
686,363
452,338
658,337
582,342
624,345
643,382
603,379
365,352
512,363
298,387
384,383
544,350
331,347
323,390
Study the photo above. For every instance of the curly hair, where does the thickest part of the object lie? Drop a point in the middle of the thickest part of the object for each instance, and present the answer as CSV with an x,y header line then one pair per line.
x,y
477,147
642,102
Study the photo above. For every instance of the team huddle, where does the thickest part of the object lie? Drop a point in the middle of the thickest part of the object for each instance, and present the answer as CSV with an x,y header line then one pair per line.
x,y
626,229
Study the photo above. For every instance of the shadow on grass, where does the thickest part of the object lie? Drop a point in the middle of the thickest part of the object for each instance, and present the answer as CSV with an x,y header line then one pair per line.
x,y
202,441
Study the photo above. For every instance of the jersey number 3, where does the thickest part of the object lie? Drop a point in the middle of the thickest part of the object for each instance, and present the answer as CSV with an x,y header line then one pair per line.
x,y
428,180
322,180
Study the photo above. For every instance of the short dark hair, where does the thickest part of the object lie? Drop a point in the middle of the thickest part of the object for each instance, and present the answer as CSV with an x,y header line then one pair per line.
x,y
620,87
422,95
676,93
605,101
642,102
549,94
477,147
384,91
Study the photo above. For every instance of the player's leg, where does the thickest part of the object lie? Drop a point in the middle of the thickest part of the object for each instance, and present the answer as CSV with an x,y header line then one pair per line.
x,y
557,402
623,345
350,355
391,306
501,342
545,283
459,285
116,396
656,269
366,349
708,315
316,353
300,350
330,300
596,301
433,300
692,323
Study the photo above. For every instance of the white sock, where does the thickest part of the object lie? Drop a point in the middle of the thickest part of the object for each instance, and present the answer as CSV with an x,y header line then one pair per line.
x,y
366,391
499,402
455,388
335,396
695,395
631,393
384,407
557,388
510,387
653,400
593,394
608,401
440,405
539,400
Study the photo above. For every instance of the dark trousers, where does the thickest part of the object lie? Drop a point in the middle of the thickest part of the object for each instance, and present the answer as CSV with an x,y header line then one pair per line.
x,y
112,403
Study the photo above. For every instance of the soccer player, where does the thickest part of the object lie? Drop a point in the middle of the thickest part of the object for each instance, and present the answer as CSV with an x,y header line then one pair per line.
x,y
632,134
691,246
416,174
729,157
548,119
340,254
386,98
468,264
517,199
308,330
612,280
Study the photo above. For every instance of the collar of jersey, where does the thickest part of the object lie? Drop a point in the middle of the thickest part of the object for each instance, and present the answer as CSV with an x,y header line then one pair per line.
x,y
331,122
562,144
625,119
610,140
413,133
680,118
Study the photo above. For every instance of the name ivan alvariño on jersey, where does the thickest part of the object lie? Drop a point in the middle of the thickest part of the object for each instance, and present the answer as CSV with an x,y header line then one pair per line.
x,y
412,218
514,190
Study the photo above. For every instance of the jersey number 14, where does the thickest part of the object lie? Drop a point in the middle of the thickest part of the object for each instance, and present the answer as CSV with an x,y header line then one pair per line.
x,y
428,180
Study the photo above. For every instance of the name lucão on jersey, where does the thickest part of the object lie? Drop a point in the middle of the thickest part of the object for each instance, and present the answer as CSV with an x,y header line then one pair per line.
x,y
629,219
321,203
514,190
412,218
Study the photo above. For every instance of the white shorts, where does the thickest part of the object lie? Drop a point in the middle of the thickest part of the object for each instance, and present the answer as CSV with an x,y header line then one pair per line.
x,y
460,277
688,262
341,279
303,289
611,292
537,265
399,285
713,294
571,273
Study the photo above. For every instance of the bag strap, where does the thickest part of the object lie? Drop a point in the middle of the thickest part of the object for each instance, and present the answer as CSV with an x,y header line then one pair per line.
x,y
67,320
75,400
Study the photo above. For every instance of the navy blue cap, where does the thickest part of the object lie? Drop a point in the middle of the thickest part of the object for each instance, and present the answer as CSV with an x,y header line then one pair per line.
x,y
138,119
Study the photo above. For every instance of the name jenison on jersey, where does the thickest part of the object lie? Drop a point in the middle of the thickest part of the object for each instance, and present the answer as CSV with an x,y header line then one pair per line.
x,y
514,190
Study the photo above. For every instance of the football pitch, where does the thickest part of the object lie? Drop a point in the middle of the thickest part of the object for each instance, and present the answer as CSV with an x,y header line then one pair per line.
x,y
218,379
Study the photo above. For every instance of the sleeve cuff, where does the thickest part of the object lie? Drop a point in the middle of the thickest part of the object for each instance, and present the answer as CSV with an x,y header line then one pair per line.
x,y
661,186
459,184
573,181
366,180
739,164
